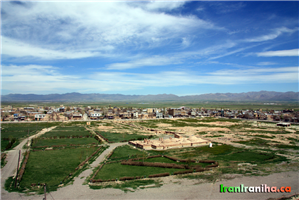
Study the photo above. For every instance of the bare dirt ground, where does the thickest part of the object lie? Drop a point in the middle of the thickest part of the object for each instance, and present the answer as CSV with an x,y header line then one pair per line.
x,y
163,125
218,123
105,127
192,130
174,188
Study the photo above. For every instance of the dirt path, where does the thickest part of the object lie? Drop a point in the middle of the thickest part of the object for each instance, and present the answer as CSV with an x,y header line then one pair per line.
x,y
172,189
77,185
12,157
177,189
81,178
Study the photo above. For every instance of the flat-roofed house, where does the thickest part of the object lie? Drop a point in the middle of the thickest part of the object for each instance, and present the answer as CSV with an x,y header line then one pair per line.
x,y
39,117
159,115
174,112
95,115
77,116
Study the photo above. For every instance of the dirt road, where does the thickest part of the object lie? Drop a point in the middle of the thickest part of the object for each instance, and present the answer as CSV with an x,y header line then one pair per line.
x,y
12,157
172,189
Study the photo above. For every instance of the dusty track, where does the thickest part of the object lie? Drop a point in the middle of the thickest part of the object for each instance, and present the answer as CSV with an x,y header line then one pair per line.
x,y
12,158
172,189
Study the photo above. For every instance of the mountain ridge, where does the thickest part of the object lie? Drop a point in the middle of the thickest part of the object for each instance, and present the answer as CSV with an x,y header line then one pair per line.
x,y
79,97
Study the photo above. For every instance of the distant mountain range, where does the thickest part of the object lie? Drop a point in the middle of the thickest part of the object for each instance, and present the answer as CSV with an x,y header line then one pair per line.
x,y
95,97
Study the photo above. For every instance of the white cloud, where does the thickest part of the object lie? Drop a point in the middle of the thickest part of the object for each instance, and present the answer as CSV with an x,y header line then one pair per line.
x,y
160,6
185,42
256,71
47,79
266,63
144,62
62,30
174,58
232,52
277,32
199,9
14,48
291,52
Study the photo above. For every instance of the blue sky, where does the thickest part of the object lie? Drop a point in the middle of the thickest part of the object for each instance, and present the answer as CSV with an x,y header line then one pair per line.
x,y
182,48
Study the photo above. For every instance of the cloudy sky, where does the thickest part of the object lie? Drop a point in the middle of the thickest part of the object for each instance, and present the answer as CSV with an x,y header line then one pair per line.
x,y
182,48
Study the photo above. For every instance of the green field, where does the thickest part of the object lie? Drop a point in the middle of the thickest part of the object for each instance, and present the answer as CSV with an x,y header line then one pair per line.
x,y
125,152
20,131
4,144
118,137
166,160
172,104
67,131
65,141
117,170
186,122
51,167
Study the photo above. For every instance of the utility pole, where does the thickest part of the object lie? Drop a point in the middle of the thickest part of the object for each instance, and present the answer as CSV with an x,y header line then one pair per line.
x,y
45,191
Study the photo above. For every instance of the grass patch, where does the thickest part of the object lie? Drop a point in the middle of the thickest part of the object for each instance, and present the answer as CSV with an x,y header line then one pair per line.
x,y
69,128
252,157
65,141
20,131
284,146
125,152
51,167
118,137
3,161
67,131
264,136
255,142
201,133
293,139
166,160
212,119
216,136
117,170
3,144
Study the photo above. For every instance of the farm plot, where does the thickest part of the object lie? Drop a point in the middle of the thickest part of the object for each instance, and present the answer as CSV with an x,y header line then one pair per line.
x,y
166,160
12,134
4,144
23,129
65,141
120,137
134,163
52,167
125,152
117,170
67,131
65,136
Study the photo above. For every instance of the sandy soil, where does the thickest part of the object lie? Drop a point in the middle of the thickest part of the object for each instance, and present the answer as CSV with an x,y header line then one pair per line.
x,y
174,188
163,125
106,127
193,130
257,129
